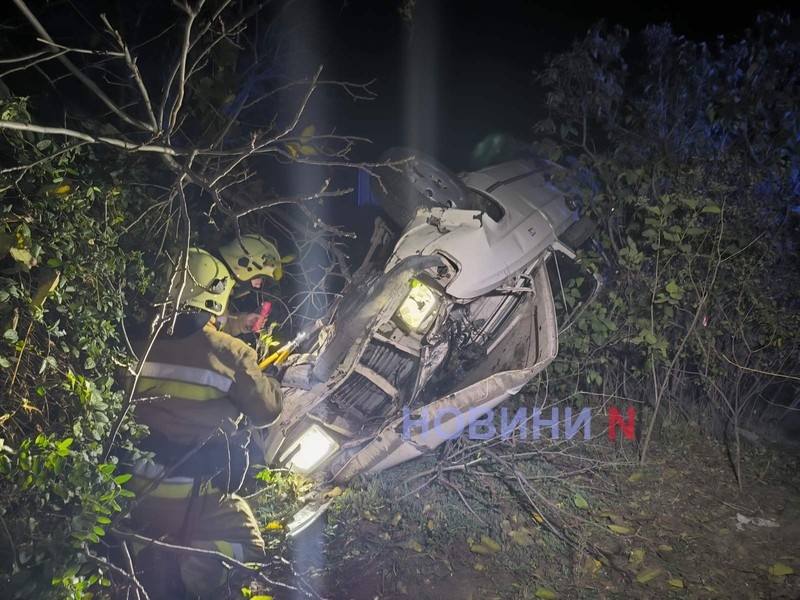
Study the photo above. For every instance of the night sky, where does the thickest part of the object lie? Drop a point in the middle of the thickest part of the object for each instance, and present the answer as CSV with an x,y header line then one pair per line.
x,y
463,70
459,71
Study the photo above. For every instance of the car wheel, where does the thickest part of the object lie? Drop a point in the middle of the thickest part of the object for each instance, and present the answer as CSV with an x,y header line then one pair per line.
x,y
577,233
416,180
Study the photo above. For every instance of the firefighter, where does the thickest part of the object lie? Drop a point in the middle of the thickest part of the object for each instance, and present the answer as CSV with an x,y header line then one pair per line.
x,y
251,259
194,390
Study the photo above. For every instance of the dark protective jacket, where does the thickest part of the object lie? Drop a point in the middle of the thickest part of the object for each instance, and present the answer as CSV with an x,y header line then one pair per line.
x,y
191,387
194,388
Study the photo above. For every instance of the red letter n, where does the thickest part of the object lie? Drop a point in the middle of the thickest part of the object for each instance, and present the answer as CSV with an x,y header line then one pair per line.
x,y
614,419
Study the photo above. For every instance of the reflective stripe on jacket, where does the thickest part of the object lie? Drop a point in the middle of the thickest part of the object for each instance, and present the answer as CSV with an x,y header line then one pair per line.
x,y
183,381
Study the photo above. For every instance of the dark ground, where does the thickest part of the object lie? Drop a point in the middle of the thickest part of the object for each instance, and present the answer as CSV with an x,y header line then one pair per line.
x,y
681,531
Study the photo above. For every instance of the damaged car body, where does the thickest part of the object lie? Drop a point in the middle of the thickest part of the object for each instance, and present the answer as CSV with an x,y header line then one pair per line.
x,y
460,317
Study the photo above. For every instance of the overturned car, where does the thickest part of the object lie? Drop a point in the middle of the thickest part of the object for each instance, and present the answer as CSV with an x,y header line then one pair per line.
x,y
459,317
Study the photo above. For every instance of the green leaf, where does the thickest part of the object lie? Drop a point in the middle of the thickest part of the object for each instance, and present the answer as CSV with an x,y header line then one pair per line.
x,y
594,377
307,150
106,468
779,570
620,529
711,209
580,501
23,256
654,209
636,557
649,574
62,448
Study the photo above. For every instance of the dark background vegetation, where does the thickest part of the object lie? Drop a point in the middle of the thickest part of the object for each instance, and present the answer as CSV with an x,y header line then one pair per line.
x,y
461,71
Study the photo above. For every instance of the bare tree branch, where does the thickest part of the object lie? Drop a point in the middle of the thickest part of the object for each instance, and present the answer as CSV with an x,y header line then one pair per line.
x,y
77,72
98,139
134,69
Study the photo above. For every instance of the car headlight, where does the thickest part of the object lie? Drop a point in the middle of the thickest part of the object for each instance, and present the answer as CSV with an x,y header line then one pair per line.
x,y
419,307
310,451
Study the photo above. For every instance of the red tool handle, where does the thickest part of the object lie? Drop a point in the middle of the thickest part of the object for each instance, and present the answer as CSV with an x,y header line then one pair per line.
x,y
262,316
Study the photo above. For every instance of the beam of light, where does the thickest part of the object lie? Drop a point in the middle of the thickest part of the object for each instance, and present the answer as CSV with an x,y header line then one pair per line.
x,y
422,80
307,551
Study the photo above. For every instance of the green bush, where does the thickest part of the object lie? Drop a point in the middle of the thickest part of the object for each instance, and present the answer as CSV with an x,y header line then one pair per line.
x,y
71,267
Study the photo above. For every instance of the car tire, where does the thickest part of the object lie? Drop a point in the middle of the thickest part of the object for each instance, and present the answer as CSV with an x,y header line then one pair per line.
x,y
578,232
420,181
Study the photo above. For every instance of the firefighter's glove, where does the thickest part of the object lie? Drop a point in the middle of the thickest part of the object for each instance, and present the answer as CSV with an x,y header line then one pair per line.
x,y
274,371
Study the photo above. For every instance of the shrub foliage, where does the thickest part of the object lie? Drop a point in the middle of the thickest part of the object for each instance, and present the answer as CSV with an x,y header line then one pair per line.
x,y
693,149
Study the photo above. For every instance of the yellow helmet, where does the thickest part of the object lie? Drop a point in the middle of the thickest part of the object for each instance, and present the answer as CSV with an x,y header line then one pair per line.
x,y
253,256
208,284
